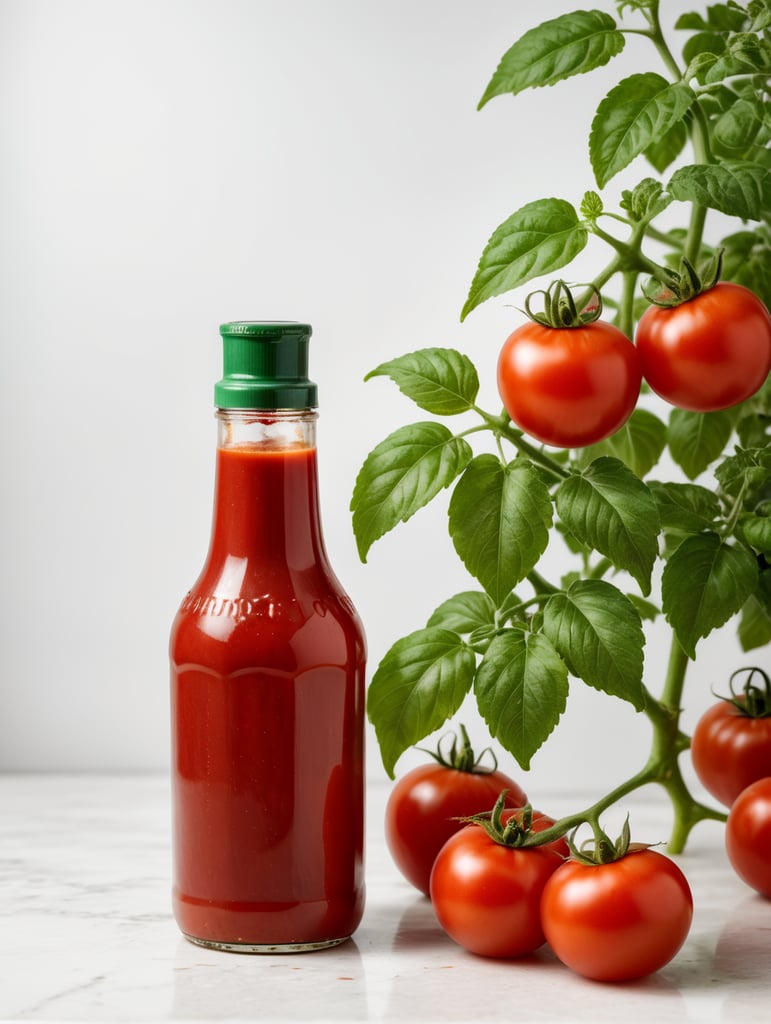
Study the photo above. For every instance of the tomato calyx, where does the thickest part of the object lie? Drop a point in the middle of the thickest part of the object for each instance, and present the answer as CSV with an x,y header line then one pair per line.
x,y
754,701
560,309
601,849
683,285
514,832
460,756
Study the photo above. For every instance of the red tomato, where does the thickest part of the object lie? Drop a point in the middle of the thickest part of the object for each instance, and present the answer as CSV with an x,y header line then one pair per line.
x,y
708,353
569,386
748,836
487,896
730,749
423,808
617,921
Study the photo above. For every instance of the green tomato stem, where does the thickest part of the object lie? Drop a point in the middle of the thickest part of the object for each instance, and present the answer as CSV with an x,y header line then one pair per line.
x,y
662,766
501,426
630,255
626,312
700,136
656,35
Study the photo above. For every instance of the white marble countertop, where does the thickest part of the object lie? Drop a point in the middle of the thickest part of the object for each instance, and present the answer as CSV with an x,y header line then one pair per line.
x,y
86,934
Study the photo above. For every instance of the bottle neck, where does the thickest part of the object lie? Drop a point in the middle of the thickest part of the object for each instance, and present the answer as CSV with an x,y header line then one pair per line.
x,y
266,504
280,430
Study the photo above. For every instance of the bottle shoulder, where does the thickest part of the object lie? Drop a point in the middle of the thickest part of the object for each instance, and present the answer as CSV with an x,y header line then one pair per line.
x,y
312,623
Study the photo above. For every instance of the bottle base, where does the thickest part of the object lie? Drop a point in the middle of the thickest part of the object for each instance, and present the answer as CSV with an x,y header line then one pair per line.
x,y
278,947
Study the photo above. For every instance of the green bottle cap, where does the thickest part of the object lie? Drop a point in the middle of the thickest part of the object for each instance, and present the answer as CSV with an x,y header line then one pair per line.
x,y
265,366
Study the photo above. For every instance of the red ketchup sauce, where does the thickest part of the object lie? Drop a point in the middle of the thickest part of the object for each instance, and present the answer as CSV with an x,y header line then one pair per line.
x,y
267,694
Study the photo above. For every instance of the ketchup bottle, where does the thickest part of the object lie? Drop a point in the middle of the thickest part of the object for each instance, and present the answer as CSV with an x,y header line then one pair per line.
x,y
267,680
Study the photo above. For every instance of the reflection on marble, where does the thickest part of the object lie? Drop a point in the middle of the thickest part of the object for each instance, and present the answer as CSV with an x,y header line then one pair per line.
x,y
86,933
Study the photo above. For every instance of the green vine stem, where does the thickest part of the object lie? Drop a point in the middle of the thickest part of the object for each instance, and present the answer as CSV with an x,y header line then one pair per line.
x,y
501,426
662,767
699,132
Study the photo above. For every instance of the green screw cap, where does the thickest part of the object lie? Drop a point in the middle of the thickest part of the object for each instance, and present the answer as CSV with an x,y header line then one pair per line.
x,y
265,366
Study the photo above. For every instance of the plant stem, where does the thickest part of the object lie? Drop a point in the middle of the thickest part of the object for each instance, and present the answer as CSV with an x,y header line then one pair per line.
x,y
501,427
630,254
591,814
656,36
699,132
626,312
662,766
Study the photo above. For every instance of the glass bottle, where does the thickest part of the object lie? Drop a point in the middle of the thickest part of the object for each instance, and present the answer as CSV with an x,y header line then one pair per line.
x,y
267,680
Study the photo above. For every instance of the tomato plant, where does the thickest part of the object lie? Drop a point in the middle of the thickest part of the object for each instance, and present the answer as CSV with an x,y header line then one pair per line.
x,y
486,887
708,353
619,920
425,807
570,386
664,517
731,744
748,836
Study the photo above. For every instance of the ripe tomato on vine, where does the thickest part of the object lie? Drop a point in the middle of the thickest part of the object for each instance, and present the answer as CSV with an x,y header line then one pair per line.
x,y
707,353
731,743
427,804
567,378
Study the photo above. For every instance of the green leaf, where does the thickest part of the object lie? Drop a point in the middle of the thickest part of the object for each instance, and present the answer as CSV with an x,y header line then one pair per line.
x,y
756,531
720,17
726,17
738,126
744,55
555,50
755,622
747,261
464,612
754,429
747,473
760,13
667,148
439,380
521,688
420,683
647,610
591,205
701,51
638,444
645,200
401,475
537,239
696,439
704,583
738,189
499,522
598,633
611,510
634,114
685,508
691,21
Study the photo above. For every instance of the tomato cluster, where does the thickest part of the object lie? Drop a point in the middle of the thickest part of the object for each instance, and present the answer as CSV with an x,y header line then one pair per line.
x,y
574,384
612,921
619,914
731,754
498,894
426,808
731,744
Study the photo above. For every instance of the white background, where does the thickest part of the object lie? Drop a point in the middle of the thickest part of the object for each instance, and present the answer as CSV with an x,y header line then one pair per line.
x,y
169,165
